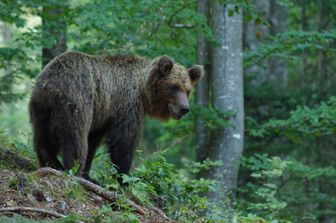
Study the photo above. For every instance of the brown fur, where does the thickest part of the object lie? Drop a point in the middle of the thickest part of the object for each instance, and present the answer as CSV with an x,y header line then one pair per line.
x,y
79,100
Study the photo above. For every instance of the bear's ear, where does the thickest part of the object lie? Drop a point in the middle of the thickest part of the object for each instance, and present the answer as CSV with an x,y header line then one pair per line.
x,y
165,65
196,73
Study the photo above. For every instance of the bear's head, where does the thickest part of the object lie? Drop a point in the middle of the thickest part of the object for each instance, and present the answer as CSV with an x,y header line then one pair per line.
x,y
169,85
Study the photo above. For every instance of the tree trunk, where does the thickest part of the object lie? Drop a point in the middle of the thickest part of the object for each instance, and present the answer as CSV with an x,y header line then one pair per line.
x,y
202,88
304,27
278,68
227,94
254,35
54,31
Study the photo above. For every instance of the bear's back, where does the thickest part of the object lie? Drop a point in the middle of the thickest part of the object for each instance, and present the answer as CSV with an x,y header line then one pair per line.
x,y
108,85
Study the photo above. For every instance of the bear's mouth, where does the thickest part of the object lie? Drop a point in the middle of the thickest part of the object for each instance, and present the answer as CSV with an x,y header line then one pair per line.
x,y
172,113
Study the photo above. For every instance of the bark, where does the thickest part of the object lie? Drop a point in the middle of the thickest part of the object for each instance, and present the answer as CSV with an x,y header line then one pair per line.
x,y
54,31
30,209
202,88
227,94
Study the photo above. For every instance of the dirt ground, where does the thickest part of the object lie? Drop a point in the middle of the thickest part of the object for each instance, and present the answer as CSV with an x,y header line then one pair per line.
x,y
22,188
50,193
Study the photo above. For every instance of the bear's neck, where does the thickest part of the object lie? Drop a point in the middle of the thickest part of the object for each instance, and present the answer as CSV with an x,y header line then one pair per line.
x,y
153,106
147,93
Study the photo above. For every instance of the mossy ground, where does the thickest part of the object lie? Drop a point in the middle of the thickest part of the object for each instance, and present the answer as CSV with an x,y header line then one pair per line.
x,y
65,196
21,187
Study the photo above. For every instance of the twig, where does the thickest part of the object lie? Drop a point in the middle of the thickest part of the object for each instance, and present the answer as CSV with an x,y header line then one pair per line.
x,y
179,25
283,183
261,58
37,210
170,19
98,190
160,212
154,30
167,147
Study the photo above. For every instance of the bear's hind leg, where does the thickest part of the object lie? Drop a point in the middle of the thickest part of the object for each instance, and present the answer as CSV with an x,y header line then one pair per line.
x,y
71,135
46,151
70,126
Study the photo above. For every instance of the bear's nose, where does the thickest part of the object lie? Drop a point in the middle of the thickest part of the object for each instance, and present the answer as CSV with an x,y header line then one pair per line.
x,y
184,111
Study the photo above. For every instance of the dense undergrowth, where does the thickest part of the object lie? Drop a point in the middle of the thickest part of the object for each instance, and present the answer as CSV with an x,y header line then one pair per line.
x,y
155,183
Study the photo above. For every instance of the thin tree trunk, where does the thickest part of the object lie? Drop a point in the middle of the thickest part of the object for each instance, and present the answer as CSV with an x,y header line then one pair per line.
x,y
278,68
202,88
304,24
227,94
54,31
325,81
254,35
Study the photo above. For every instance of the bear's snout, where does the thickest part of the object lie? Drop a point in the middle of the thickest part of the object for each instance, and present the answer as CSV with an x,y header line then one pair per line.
x,y
184,110
178,111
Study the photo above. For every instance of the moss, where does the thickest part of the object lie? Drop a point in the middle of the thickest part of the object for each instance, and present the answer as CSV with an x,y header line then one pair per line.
x,y
74,191
12,159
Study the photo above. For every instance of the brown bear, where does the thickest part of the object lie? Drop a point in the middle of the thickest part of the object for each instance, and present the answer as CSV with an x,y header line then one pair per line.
x,y
79,100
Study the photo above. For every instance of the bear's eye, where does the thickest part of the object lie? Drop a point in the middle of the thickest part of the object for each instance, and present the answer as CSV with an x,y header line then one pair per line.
x,y
174,88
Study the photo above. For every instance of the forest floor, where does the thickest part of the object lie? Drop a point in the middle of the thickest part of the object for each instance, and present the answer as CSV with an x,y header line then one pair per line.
x,y
45,197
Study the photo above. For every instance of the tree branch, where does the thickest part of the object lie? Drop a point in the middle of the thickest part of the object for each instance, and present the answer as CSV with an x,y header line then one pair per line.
x,y
179,25
170,20
29,209
98,190
261,59
154,30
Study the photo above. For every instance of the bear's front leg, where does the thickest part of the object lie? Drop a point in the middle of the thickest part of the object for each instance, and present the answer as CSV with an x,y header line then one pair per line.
x,y
74,152
122,140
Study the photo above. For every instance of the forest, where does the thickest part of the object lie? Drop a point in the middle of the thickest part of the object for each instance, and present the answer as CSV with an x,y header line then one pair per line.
x,y
256,147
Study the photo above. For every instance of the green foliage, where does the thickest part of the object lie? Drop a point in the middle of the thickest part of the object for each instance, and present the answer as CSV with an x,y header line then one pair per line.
x,y
14,154
250,219
14,63
287,45
264,194
178,136
180,197
210,117
196,167
74,191
148,28
11,11
276,193
303,122
108,215
158,183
